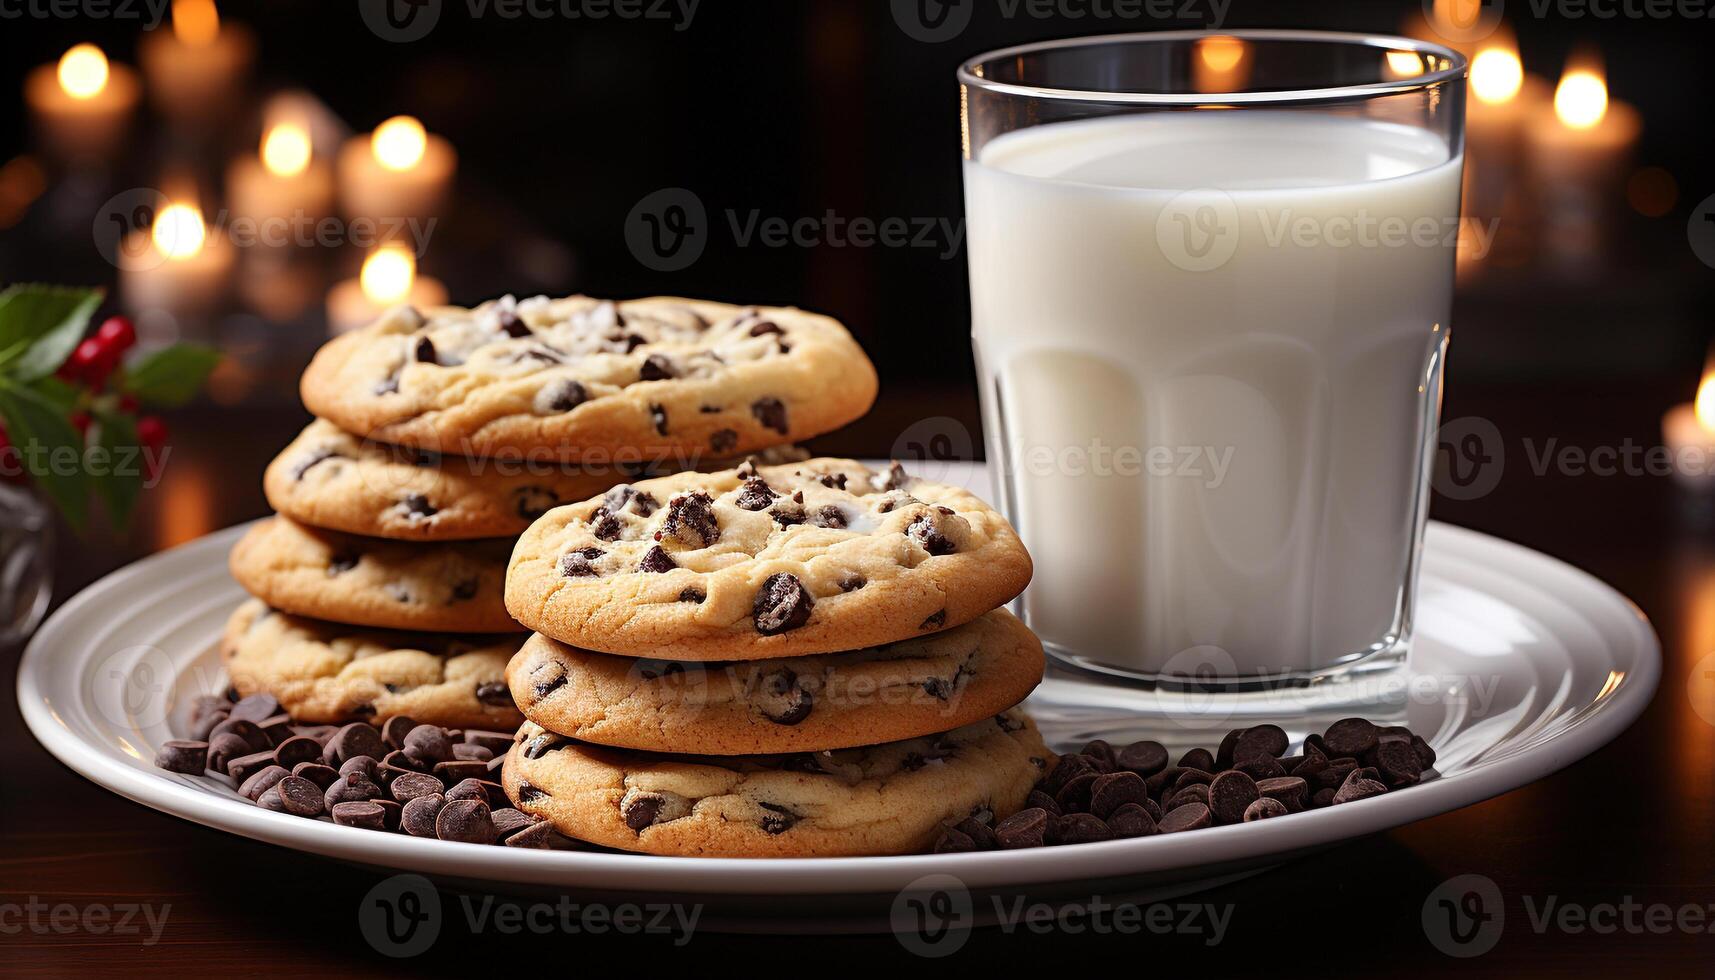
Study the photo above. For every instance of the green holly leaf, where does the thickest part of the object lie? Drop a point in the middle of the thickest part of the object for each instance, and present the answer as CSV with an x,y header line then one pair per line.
x,y
118,471
50,449
41,325
171,376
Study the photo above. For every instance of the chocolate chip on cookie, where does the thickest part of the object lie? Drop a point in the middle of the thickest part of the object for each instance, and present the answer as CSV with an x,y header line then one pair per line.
x,y
656,367
657,561
691,521
580,563
782,605
771,412
755,495
781,698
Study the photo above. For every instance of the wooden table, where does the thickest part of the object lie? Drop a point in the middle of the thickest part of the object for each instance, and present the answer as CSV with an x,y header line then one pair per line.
x,y
1633,822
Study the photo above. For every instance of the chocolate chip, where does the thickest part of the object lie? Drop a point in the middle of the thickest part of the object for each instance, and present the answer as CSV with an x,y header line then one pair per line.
x,y
1197,793
425,352
934,621
249,731
508,821
203,728
692,594
1080,828
1397,763
471,753
1336,773
771,412
852,581
782,605
1074,794
763,327
656,367
299,796
952,841
1321,798
1261,767
1265,740
579,564
658,418
223,747
1192,816
1350,737
466,821
1113,790
1198,759
1132,820
418,816
410,785
428,744
417,506
322,775
1069,768
1425,753
896,477
1042,801
923,530
564,394
833,481
496,742
256,708
624,497
1264,808
755,495
494,693
395,729
829,516
310,460
723,441
778,819
1229,793
640,810
1291,791
533,502
1144,758
656,561
342,562
783,700
363,766
355,787
366,814
183,755
691,520
1357,787
511,324
264,780
357,739
453,772
1026,828
297,749
474,788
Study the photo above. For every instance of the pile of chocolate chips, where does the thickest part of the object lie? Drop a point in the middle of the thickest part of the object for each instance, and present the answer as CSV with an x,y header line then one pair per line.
x,y
1103,793
422,780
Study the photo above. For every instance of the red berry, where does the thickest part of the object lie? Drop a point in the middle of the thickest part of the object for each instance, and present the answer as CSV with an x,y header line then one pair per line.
x,y
151,432
80,422
90,362
116,332
129,403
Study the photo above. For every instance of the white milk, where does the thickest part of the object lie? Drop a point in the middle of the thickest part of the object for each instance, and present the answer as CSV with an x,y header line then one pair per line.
x,y
1203,453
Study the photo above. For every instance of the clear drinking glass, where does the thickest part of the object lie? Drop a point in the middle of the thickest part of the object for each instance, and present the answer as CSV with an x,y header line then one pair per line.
x,y
1210,285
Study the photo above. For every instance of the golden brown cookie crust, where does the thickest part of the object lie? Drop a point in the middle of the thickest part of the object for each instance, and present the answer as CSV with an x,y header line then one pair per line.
x,y
586,380
325,673
886,799
904,690
452,586
727,582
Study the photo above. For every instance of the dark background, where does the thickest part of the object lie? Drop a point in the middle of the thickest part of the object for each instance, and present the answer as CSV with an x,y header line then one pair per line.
x,y
792,108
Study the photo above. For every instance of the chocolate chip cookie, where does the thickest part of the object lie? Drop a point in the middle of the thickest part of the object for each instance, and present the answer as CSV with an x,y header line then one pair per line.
x,y
586,380
450,586
332,479
798,704
760,562
325,673
883,799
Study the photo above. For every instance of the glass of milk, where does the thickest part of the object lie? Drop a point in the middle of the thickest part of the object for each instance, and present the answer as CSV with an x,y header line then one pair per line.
x,y
1211,278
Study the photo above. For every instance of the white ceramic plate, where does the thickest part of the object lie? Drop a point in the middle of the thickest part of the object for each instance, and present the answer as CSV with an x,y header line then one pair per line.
x,y
1523,665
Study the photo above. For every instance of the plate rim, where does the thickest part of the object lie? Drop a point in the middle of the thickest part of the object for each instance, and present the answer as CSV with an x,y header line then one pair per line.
x,y
175,796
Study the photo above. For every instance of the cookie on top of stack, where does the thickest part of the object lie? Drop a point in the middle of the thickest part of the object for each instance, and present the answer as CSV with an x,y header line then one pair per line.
x,y
799,660
440,435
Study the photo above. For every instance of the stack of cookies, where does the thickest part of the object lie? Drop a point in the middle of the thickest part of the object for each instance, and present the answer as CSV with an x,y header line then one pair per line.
x,y
439,437
806,659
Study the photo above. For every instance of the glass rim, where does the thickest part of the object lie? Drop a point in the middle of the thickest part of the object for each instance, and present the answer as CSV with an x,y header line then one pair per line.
x,y
1457,67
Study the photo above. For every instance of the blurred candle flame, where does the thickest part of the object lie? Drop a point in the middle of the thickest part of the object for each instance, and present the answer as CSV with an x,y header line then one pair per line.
x,y
179,231
83,71
1581,98
1404,64
1461,15
388,275
1705,404
196,23
286,150
399,143
1497,74
1222,64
